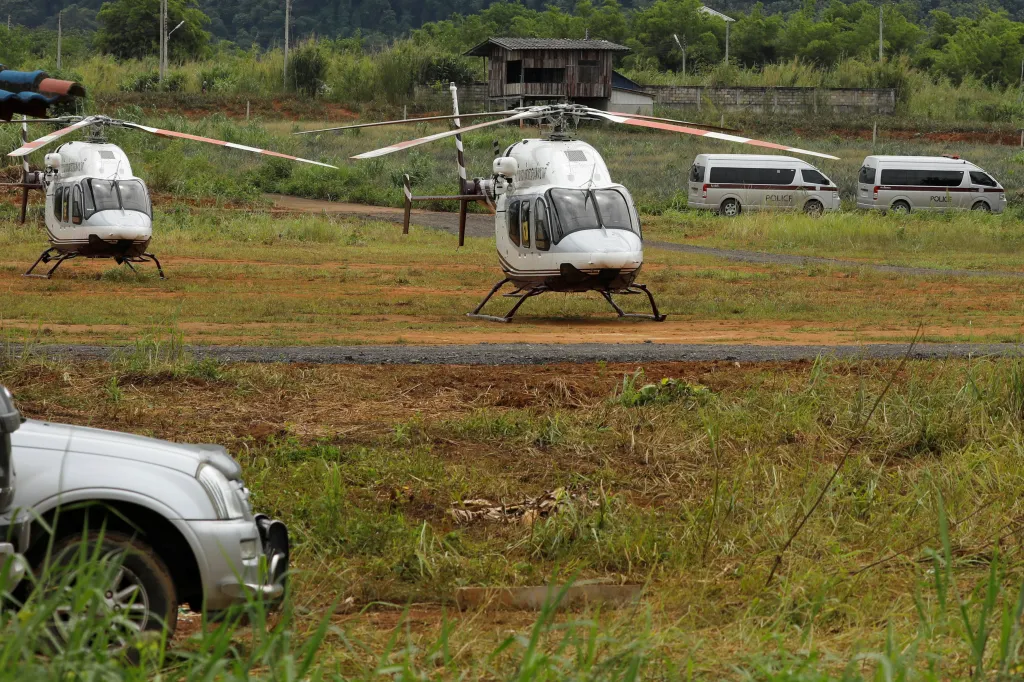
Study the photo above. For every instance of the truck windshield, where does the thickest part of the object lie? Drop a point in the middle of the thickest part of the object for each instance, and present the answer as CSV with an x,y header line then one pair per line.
x,y
584,209
106,195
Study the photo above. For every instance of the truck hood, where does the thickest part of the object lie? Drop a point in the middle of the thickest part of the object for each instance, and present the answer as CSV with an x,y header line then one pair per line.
x,y
182,457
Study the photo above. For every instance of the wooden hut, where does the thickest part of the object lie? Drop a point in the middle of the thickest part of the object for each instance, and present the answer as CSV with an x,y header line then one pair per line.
x,y
524,71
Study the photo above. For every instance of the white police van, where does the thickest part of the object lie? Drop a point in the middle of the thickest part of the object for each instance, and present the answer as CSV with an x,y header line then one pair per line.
x,y
929,183
732,183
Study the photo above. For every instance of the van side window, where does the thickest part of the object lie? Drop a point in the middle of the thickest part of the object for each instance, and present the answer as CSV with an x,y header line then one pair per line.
x,y
925,178
513,221
867,175
524,211
76,205
983,179
541,236
813,177
696,173
752,176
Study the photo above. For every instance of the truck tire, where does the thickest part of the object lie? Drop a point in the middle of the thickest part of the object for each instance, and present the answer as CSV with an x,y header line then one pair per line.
x,y
901,207
981,206
730,208
141,588
814,208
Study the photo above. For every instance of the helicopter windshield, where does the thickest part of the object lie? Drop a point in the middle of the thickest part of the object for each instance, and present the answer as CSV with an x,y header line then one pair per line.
x,y
590,209
107,195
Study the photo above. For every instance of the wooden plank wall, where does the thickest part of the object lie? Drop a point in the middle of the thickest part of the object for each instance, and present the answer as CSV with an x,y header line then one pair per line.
x,y
569,60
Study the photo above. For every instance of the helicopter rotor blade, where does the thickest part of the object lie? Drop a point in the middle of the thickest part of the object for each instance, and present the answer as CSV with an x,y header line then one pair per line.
x,y
404,120
30,147
657,125
685,123
221,143
438,136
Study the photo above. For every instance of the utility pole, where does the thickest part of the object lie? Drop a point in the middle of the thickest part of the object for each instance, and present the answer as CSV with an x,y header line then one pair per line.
x,y
60,34
727,41
683,48
163,37
881,33
287,21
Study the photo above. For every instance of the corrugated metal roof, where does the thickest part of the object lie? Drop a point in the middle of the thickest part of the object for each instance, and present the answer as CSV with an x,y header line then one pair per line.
x,y
19,81
620,82
27,103
482,50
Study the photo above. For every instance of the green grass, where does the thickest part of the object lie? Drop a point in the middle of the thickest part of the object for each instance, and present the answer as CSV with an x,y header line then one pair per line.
x,y
252,278
694,498
963,240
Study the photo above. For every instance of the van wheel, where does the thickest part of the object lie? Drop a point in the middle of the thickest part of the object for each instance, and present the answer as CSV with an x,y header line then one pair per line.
x,y
981,206
814,208
901,207
138,592
730,208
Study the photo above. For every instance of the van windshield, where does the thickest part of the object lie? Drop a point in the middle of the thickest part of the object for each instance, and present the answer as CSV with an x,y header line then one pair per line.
x,y
581,209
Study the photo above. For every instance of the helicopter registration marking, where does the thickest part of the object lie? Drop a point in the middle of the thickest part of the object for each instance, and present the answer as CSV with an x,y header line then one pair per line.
x,y
534,173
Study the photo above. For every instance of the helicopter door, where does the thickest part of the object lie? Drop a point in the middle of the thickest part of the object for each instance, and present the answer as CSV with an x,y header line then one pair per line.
x,y
512,214
76,205
541,234
524,214
65,206
58,200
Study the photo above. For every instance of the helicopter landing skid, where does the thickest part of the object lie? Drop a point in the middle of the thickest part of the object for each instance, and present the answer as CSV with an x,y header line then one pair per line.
x,y
523,294
144,258
636,289
45,258
55,256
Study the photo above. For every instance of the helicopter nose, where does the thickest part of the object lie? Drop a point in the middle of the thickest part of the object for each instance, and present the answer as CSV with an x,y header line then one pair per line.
x,y
614,249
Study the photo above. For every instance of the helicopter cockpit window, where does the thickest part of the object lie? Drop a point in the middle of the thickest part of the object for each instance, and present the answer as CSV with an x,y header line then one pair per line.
x,y
541,235
76,205
104,195
513,221
613,209
65,206
578,209
109,195
133,196
524,213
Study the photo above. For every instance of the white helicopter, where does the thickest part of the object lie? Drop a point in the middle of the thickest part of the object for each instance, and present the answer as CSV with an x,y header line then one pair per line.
x,y
561,223
95,206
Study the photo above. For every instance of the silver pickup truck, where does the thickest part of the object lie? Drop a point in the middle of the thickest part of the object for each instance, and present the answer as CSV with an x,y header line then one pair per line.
x,y
178,516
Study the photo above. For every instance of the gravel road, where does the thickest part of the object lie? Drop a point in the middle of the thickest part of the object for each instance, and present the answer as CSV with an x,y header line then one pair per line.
x,y
539,354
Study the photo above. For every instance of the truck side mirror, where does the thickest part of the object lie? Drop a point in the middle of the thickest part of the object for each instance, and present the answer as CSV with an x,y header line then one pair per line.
x,y
10,418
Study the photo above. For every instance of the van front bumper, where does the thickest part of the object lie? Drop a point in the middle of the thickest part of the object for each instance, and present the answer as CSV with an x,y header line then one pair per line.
x,y
242,560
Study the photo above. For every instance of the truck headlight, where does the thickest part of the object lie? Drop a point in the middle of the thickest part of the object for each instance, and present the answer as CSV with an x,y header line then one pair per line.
x,y
222,494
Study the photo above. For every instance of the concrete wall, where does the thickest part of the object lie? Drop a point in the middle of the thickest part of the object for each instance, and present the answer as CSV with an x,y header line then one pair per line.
x,y
631,102
784,101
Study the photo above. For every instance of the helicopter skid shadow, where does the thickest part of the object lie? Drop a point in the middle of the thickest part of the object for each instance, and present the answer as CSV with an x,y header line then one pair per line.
x,y
524,294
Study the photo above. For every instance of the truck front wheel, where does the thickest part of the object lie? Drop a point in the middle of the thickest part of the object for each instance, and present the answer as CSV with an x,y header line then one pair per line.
x,y
134,590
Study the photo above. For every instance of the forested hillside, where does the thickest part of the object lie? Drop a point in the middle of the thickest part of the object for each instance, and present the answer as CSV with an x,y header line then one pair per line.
x,y
246,22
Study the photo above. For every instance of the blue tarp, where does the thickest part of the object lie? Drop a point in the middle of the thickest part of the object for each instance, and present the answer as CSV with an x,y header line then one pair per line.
x,y
20,81
28,103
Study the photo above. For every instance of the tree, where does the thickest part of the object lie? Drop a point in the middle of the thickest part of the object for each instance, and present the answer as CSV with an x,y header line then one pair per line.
x,y
131,29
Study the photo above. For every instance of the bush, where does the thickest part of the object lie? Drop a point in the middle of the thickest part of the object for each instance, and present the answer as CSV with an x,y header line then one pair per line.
x,y
307,69
447,69
150,81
